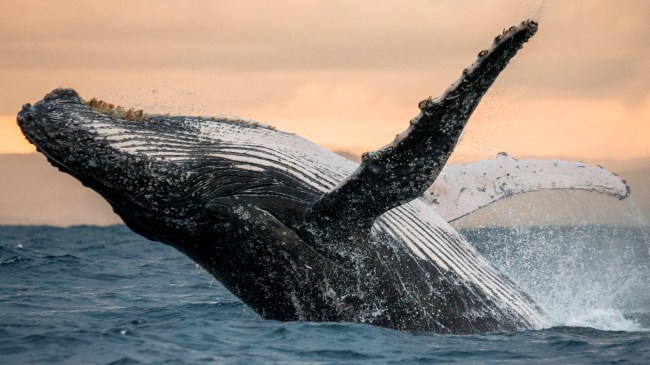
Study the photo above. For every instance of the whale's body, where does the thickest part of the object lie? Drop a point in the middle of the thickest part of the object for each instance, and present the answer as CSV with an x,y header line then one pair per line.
x,y
295,231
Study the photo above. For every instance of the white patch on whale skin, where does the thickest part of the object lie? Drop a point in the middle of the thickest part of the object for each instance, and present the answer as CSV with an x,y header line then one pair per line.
x,y
248,167
461,189
257,147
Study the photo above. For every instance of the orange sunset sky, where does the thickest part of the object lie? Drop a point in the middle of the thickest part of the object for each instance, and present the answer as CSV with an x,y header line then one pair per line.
x,y
345,74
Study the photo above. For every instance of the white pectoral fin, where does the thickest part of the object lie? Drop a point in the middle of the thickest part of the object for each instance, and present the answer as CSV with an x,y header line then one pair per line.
x,y
464,188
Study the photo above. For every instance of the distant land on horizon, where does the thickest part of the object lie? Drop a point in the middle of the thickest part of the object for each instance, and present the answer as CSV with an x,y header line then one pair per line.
x,y
32,192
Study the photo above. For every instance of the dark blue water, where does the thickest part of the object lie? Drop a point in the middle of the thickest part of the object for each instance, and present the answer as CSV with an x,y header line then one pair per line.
x,y
90,295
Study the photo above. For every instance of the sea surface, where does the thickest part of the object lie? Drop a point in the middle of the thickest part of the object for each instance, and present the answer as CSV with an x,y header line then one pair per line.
x,y
103,295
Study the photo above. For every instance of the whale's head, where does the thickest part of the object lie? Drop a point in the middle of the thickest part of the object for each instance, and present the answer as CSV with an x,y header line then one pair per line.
x,y
231,194
175,172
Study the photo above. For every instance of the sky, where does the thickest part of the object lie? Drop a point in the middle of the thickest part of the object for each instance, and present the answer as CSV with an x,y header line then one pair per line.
x,y
345,74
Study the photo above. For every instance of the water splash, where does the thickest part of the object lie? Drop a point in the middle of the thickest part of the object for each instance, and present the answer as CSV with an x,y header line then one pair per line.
x,y
604,319
539,13
584,276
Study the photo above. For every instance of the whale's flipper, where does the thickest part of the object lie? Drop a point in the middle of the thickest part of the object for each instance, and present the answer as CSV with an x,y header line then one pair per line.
x,y
464,188
402,170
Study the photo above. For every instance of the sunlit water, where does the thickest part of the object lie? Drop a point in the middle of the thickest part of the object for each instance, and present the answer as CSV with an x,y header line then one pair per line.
x,y
91,295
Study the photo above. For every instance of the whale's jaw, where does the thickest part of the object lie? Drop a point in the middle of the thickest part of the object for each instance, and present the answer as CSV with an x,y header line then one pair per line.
x,y
160,171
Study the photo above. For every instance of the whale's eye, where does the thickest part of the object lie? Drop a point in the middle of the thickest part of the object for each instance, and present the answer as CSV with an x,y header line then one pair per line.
x,y
219,211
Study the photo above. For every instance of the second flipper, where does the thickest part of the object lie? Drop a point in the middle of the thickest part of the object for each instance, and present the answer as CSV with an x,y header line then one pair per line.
x,y
464,188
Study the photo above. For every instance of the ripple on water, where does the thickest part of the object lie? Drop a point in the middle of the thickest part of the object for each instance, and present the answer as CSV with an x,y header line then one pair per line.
x,y
128,300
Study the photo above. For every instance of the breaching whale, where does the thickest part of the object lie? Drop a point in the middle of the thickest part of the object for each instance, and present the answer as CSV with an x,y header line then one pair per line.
x,y
293,230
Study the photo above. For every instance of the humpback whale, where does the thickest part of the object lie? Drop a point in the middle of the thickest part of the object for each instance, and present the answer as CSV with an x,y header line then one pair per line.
x,y
296,231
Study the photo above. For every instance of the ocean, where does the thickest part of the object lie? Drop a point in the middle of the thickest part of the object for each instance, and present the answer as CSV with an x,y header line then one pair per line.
x,y
103,295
